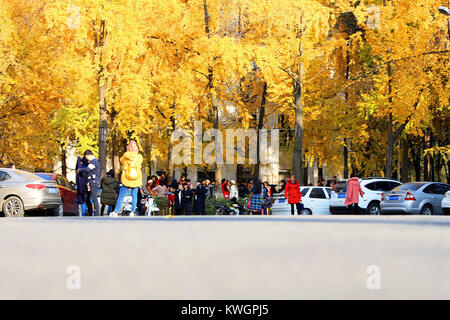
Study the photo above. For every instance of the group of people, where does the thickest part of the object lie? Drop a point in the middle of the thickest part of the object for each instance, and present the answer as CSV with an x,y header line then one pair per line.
x,y
184,198
113,193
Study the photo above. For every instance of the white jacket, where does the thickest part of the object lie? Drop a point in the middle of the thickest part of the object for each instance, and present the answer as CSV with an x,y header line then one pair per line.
x,y
234,192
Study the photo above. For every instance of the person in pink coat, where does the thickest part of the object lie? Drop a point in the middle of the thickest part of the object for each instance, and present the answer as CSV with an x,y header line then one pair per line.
x,y
353,192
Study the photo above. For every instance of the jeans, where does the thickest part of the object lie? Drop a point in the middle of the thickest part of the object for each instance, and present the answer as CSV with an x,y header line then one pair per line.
x,y
122,193
93,195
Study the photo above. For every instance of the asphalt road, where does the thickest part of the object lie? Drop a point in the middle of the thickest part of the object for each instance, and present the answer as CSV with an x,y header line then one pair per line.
x,y
324,257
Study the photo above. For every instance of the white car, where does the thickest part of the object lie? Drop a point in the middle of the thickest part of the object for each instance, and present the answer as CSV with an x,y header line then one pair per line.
x,y
446,203
316,201
373,189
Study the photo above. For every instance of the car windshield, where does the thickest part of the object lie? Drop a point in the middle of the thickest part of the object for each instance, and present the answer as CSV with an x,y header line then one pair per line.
x,y
409,186
45,176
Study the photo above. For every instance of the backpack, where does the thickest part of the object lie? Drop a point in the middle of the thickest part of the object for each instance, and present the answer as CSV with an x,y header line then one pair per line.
x,y
132,172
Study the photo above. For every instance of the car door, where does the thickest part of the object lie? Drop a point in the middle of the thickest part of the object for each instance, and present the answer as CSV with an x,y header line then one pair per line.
x,y
71,196
319,201
4,184
434,193
440,194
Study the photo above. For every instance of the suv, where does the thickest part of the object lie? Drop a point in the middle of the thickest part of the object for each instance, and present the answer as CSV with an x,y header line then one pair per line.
x,y
373,189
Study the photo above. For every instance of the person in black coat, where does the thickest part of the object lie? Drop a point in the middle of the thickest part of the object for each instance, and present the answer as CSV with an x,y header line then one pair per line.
x,y
188,196
199,199
179,200
82,193
109,187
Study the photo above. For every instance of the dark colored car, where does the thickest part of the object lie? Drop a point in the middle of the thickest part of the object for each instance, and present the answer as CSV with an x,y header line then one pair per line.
x,y
66,190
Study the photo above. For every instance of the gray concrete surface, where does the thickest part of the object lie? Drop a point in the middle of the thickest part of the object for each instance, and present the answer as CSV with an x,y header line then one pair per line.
x,y
225,257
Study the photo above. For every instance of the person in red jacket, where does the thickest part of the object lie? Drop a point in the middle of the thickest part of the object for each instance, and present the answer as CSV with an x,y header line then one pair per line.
x,y
293,194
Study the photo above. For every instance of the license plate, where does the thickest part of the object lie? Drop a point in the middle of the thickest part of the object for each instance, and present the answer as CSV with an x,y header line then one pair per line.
x,y
281,200
341,195
393,197
52,190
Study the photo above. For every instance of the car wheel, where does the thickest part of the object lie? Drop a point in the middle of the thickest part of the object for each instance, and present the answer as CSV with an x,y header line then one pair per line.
x,y
374,209
13,207
307,212
427,210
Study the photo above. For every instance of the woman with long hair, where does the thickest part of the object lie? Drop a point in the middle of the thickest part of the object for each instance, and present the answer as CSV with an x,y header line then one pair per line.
x,y
256,196
131,177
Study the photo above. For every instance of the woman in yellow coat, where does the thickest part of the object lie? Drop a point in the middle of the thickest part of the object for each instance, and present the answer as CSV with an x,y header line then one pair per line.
x,y
131,177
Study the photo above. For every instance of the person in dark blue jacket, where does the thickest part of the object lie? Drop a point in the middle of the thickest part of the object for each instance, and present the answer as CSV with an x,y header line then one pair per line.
x,y
200,195
93,179
81,182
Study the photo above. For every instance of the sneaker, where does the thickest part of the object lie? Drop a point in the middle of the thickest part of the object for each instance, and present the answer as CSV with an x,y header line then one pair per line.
x,y
113,214
131,214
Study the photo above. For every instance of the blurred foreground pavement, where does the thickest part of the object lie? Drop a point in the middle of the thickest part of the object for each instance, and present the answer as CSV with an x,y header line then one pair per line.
x,y
305,257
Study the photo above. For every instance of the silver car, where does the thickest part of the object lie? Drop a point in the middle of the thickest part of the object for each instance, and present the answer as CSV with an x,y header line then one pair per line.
x,y
415,198
21,191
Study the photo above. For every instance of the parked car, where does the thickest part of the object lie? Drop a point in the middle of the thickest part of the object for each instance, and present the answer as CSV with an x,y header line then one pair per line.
x,y
446,203
66,190
315,200
415,198
21,191
373,189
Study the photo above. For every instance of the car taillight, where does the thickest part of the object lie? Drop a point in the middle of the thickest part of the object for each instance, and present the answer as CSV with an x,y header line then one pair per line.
x,y
382,197
35,186
409,196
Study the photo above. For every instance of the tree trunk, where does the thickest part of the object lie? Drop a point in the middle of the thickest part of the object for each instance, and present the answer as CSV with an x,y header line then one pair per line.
x,y
214,105
305,172
345,153
427,176
346,140
169,153
100,40
115,153
404,170
297,159
416,159
63,160
262,111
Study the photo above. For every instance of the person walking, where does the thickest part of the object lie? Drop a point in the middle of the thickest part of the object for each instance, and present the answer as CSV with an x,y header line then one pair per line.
x,y
131,177
200,198
234,192
353,192
108,197
293,194
93,179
